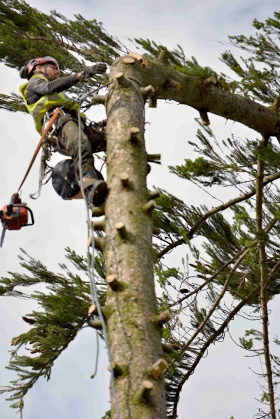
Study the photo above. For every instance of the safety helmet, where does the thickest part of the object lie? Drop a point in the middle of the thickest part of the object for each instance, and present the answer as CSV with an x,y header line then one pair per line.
x,y
27,70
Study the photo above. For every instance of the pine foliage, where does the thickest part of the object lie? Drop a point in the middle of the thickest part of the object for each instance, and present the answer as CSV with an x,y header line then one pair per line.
x,y
62,312
226,264
73,43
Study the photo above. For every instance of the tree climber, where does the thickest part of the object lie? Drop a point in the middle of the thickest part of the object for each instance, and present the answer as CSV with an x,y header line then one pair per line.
x,y
43,93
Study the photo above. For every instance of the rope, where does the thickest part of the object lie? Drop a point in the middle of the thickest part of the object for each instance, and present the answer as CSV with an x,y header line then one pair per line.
x,y
90,267
51,121
46,156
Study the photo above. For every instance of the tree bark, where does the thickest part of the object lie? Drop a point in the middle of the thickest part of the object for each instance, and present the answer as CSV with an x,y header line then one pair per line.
x,y
134,334
203,96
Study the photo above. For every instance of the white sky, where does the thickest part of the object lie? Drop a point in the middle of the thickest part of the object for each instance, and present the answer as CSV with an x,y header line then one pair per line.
x,y
223,385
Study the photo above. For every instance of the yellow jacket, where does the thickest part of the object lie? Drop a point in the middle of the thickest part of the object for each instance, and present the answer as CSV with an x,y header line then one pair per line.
x,y
45,104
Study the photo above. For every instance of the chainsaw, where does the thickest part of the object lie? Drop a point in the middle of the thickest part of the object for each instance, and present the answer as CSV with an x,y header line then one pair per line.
x,y
14,216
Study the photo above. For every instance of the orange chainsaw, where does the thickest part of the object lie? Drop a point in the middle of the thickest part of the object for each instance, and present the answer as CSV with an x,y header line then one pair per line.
x,y
14,216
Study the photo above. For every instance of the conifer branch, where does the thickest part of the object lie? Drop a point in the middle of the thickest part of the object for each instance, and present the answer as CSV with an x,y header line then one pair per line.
x,y
93,54
42,363
222,207
211,278
216,303
206,345
64,314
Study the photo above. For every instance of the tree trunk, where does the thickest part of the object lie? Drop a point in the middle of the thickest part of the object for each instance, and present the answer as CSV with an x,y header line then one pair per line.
x,y
263,281
131,309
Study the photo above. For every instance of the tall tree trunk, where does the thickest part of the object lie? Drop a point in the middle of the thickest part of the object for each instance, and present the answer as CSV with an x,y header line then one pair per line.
x,y
131,308
263,280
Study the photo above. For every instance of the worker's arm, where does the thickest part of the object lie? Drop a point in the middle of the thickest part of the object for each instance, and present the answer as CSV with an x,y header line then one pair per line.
x,y
43,87
38,86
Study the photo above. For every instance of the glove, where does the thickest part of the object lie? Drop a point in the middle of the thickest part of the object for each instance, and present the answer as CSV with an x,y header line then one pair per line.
x,y
94,69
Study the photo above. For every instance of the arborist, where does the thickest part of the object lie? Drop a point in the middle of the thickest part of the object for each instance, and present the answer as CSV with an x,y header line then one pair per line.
x,y
42,94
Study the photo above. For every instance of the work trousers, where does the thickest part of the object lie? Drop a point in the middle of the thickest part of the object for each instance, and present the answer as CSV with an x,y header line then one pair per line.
x,y
91,142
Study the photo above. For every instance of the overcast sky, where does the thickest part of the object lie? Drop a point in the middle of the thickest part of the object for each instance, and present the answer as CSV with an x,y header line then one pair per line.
x,y
223,384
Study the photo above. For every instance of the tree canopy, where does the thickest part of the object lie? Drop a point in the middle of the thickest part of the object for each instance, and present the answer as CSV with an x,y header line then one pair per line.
x,y
239,255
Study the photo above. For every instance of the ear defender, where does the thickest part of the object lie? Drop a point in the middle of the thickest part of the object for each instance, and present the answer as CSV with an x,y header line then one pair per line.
x,y
23,71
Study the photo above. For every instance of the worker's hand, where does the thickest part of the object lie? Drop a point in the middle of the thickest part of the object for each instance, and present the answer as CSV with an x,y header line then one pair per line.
x,y
99,68
94,69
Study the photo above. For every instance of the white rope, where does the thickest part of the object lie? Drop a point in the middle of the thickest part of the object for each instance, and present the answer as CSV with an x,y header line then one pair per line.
x,y
90,267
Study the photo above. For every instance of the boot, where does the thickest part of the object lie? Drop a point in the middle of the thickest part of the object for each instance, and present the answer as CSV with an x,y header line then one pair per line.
x,y
97,193
95,190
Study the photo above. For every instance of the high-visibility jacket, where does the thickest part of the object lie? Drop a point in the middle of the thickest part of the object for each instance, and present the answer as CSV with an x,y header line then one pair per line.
x,y
45,104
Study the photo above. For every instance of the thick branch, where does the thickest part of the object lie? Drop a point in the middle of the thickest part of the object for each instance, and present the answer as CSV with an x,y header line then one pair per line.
x,y
213,99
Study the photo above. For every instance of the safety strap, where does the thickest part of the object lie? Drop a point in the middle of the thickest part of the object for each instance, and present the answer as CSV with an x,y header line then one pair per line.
x,y
87,182
51,121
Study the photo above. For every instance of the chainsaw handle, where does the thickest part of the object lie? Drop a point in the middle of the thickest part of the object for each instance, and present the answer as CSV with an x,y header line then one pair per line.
x,y
32,217
15,199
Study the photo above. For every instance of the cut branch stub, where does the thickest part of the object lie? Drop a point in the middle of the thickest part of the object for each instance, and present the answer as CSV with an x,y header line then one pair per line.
x,y
124,179
147,91
99,243
134,131
96,324
28,320
136,55
150,206
93,310
173,84
129,60
209,81
154,194
113,283
158,368
99,225
121,229
167,348
97,211
153,101
156,231
275,106
144,392
99,99
118,371
204,117
153,157
121,80
163,317
163,55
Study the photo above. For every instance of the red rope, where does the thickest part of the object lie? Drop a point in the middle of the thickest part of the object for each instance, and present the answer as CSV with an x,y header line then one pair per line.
x,y
51,121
